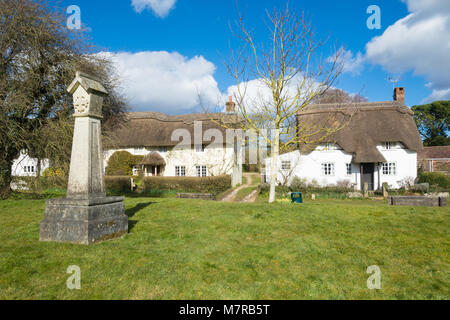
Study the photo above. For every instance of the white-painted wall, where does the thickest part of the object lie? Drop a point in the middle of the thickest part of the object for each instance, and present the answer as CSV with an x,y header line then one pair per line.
x,y
309,166
217,160
24,166
406,165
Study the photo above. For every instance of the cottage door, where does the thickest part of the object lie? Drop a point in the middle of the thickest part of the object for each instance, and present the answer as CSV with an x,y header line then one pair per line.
x,y
367,175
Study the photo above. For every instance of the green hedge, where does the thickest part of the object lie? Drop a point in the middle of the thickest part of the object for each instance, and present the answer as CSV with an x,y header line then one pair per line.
x,y
331,192
43,183
435,178
214,185
118,184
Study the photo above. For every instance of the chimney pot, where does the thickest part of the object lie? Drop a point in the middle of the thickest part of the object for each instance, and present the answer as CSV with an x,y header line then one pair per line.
x,y
230,105
399,95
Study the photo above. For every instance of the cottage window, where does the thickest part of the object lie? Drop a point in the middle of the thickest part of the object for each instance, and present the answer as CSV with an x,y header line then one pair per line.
x,y
163,149
202,171
29,169
389,169
286,165
328,169
200,148
389,145
349,169
180,171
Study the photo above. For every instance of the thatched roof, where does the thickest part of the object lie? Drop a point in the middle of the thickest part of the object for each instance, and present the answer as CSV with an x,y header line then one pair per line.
x,y
367,125
153,159
438,152
155,129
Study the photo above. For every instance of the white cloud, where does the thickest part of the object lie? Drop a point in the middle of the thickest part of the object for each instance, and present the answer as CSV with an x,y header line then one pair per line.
x,y
166,82
256,94
438,95
352,63
418,42
160,7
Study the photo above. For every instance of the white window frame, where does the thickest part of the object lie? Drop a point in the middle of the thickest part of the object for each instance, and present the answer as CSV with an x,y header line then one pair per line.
x,y
286,165
328,169
202,171
389,145
349,169
180,171
389,169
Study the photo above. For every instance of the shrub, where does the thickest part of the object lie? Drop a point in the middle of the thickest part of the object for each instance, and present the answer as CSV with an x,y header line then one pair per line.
x,y
299,184
36,184
344,184
118,184
214,185
121,163
53,172
435,178
406,183
264,187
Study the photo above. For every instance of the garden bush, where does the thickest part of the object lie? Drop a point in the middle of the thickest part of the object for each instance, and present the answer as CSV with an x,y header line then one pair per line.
x,y
214,185
121,163
118,184
438,179
42,183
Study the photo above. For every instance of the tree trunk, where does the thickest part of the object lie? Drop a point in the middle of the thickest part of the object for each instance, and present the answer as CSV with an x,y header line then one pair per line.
x,y
38,176
5,179
274,165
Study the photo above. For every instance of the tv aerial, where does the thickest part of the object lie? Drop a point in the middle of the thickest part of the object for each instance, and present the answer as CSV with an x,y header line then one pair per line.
x,y
394,81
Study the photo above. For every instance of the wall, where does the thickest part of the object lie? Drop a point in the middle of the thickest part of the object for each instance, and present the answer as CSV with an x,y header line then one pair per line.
x,y
406,163
309,166
217,160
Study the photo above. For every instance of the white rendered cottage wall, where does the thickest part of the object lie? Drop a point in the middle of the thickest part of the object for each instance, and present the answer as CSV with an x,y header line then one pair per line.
x,y
24,166
309,167
405,165
217,160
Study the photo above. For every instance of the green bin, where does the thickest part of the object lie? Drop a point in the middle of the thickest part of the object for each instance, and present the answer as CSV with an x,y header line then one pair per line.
x,y
297,197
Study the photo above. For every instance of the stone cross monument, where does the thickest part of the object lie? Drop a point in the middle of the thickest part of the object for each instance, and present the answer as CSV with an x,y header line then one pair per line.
x,y
86,216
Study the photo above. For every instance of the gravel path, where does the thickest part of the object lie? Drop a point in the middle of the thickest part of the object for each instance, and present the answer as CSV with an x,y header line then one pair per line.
x,y
248,199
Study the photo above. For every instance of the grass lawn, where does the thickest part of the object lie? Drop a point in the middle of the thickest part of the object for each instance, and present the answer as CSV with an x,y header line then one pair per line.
x,y
187,249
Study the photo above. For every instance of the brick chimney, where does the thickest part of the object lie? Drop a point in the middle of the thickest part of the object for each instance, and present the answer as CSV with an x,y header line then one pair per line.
x,y
399,95
230,105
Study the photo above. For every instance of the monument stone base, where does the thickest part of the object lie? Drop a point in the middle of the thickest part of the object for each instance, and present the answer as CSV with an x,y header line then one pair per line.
x,y
84,221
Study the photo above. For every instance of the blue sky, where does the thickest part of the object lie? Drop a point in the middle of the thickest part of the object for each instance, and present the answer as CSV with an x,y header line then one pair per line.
x,y
163,47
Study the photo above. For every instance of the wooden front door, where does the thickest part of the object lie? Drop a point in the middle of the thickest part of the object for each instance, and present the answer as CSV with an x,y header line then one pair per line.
x,y
367,175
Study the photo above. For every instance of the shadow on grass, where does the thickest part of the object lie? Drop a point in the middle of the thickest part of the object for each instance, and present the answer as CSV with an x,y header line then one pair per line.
x,y
132,211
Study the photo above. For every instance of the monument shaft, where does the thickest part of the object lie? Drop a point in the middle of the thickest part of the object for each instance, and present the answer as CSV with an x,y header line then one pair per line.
x,y
86,216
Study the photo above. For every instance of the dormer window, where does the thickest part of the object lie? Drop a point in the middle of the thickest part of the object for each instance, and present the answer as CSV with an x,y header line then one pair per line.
x,y
163,149
387,145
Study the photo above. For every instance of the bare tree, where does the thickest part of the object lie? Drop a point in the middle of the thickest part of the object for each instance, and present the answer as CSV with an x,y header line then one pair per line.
x,y
279,77
38,59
